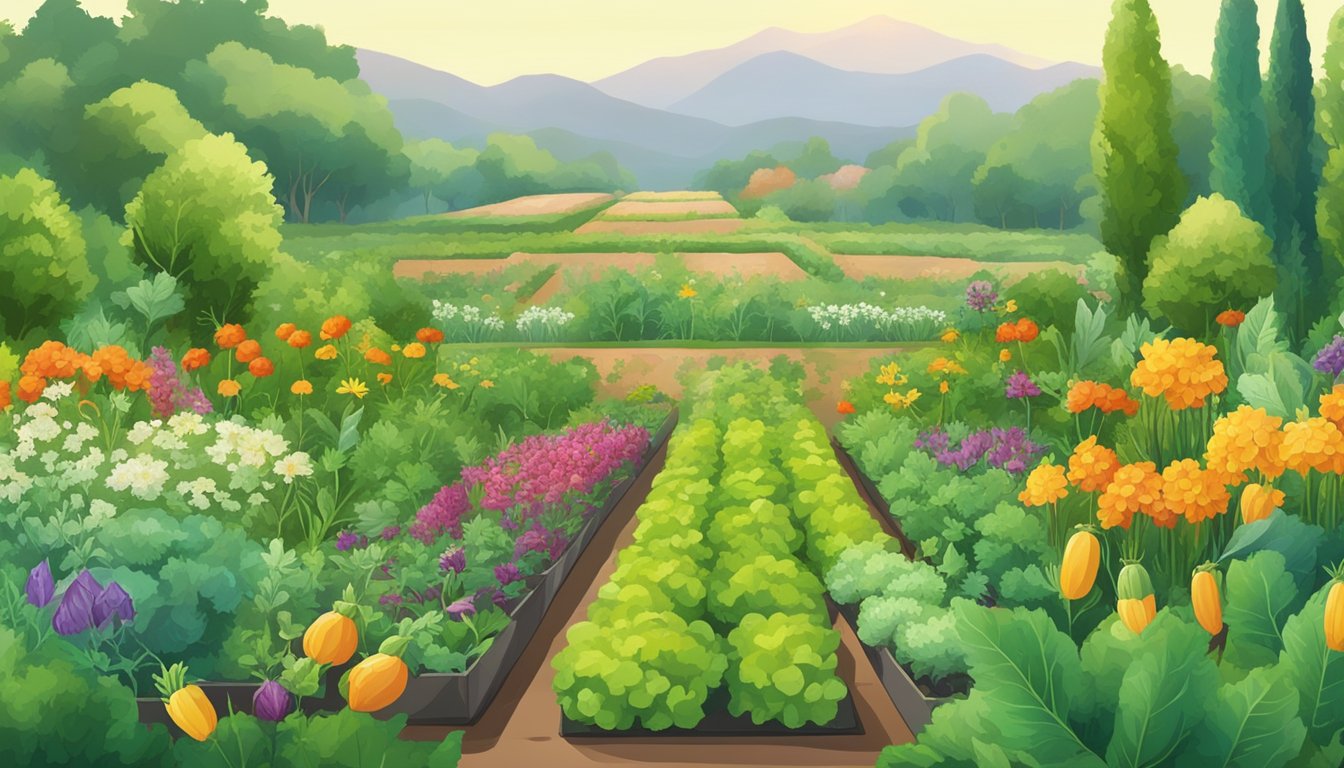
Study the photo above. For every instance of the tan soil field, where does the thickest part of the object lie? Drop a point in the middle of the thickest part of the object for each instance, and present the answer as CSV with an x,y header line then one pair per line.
x,y
633,209
536,205
666,197
691,227
940,267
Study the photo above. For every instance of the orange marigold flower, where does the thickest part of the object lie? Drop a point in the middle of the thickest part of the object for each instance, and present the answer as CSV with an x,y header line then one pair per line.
x,y
445,381
378,356
1092,466
325,352
229,387
301,387
122,370
384,378
1111,399
489,384
195,358
1313,444
1005,355
1027,330
1082,396
248,351
1134,488
1244,440
944,387
429,335
261,367
1193,492
1045,485
1230,318
1006,333
844,408
31,387
1259,501
230,335
300,339
334,327
1332,405
5,400
285,331
415,350
1184,371
52,360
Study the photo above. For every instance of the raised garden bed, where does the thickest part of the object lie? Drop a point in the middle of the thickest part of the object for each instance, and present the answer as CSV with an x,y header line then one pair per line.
x,y
719,722
237,697
874,498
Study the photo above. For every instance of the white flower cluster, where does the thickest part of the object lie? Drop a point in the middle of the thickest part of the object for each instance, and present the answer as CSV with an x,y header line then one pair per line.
x,y
543,323
867,322
466,322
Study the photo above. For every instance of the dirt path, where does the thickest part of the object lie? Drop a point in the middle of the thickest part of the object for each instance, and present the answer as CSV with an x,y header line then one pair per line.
x,y
691,227
940,267
536,205
633,209
521,726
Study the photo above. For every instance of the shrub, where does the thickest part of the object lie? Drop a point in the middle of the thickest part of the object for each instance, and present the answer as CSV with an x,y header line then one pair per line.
x,y
1050,298
44,271
783,668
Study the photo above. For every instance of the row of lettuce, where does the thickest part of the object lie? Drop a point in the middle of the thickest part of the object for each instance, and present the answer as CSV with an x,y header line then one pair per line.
x,y
1132,558
721,591
202,509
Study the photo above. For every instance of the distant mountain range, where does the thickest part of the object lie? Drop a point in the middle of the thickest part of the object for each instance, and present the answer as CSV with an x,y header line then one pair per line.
x,y
669,118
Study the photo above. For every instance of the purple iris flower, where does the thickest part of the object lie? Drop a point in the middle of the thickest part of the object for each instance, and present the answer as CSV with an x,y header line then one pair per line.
x,y
1331,357
41,587
459,608
507,573
74,614
112,601
454,559
272,702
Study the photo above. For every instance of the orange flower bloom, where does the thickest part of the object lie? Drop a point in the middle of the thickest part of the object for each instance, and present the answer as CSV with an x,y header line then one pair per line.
x,y
429,335
247,351
122,371
30,388
300,339
1332,405
1082,396
378,356
384,378
1115,399
5,400
325,352
1313,444
1230,318
1193,492
301,387
261,367
52,360
1006,334
195,358
1045,485
1259,501
334,327
1005,355
414,350
1027,330
1104,397
285,331
1134,488
230,335
1092,466
445,381
1245,439
229,387
844,408
1184,371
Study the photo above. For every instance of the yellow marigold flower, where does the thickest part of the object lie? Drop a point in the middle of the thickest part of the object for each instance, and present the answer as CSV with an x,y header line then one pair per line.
x,y
943,387
1010,306
1258,501
950,336
1332,405
445,381
1245,439
1184,371
687,292
325,352
474,360
229,388
890,375
1092,466
464,367
946,367
1045,485
900,401
1134,488
301,387
396,347
1005,355
415,350
1191,491
1313,444
384,378
353,387
487,383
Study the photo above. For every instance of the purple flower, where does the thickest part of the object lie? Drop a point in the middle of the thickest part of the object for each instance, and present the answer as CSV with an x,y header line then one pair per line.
x,y
507,574
1331,357
168,391
390,532
272,702
74,614
40,587
387,600
934,440
453,559
533,540
1012,451
350,540
113,601
980,295
1021,386
461,607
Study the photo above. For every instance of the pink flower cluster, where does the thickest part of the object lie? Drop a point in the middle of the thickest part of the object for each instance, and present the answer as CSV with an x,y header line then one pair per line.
x,y
544,469
168,392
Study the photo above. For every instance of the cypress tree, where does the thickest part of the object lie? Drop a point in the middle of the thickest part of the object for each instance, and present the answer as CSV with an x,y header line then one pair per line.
x,y
1134,150
1240,155
1330,202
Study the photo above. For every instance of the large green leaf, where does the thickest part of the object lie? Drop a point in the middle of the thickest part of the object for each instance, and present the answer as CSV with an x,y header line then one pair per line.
x,y
1315,670
1252,724
1258,335
1283,533
1163,695
1261,595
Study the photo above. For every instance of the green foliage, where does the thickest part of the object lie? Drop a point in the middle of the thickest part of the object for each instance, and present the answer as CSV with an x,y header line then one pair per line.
x,y
1315,671
808,200
1240,138
1050,297
783,668
1214,259
345,738
742,585
43,266
1329,214
1260,596
53,712
1267,374
1135,152
206,217
1252,722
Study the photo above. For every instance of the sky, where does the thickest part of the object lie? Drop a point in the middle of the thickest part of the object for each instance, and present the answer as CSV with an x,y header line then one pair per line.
x,y
493,41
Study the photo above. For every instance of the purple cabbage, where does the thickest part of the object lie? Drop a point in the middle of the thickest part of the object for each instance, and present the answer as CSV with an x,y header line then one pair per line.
x,y
113,601
74,614
272,702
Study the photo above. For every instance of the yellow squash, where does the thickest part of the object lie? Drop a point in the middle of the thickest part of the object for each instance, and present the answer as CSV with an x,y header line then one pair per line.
x,y
186,704
1078,569
1334,617
376,682
1207,601
1136,603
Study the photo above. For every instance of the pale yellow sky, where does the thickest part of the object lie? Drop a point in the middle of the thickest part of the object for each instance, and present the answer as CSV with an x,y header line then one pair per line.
x,y
495,40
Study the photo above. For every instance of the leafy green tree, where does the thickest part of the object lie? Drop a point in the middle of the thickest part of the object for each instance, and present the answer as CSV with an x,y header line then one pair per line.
x,y
888,155
1215,258
514,165
207,217
807,200
44,272
1192,126
1330,196
1240,141
34,104
730,177
1135,155
815,159
1291,110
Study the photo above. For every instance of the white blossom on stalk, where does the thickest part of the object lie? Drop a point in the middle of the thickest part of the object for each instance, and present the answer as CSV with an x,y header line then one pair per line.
x,y
294,465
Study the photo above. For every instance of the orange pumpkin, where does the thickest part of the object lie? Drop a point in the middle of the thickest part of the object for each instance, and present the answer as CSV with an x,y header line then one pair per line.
x,y
331,639
376,682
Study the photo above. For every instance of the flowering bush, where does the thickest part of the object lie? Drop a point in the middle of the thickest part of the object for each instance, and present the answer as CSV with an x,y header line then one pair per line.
x,y
866,322
467,322
543,323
